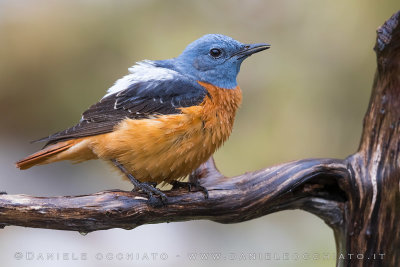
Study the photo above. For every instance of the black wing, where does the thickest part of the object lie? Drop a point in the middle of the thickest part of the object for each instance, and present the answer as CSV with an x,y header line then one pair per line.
x,y
140,100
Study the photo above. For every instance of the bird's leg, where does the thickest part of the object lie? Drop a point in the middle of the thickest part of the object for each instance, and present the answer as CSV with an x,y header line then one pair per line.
x,y
193,183
146,187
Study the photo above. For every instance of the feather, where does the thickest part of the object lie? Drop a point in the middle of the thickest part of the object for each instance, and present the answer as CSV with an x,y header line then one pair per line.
x,y
141,99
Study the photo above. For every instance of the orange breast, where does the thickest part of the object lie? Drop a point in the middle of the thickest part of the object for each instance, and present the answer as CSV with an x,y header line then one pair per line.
x,y
169,147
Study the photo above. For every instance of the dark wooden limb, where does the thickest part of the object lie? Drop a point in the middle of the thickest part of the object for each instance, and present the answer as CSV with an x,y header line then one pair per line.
x,y
358,197
373,210
302,184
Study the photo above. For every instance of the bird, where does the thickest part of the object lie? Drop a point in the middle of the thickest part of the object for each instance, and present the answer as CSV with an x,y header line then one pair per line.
x,y
161,121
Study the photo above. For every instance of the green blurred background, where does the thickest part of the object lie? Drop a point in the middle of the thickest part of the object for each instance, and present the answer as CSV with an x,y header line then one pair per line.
x,y
305,97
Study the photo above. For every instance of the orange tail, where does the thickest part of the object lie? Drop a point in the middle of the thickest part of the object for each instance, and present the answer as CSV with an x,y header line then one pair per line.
x,y
41,156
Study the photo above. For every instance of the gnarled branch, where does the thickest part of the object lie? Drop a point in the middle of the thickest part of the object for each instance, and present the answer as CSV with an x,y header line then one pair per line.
x,y
358,197
301,184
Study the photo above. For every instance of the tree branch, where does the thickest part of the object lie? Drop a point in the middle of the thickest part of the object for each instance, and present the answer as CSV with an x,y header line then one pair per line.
x,y
301,184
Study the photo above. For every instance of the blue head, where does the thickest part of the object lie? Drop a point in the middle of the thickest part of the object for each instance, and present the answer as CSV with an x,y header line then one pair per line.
x,y
215,59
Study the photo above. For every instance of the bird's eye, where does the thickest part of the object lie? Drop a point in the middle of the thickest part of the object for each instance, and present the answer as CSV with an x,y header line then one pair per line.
x,y
215,52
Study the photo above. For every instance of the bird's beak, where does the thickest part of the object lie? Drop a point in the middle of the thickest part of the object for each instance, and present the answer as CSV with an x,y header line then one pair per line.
x,y
250,49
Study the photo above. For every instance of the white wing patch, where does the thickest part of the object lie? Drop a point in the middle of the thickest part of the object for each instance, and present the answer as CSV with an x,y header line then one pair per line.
x,y
142,71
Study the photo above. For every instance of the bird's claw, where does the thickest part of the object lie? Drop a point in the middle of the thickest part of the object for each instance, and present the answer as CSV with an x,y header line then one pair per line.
x,y
147,187
151,191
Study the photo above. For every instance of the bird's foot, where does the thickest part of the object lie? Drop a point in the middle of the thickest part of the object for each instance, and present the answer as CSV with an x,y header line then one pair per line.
x,y
3,193
191,186
150,189
147,187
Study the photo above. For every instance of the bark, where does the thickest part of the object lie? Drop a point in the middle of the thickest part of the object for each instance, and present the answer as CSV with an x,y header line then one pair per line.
x,y
358,197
